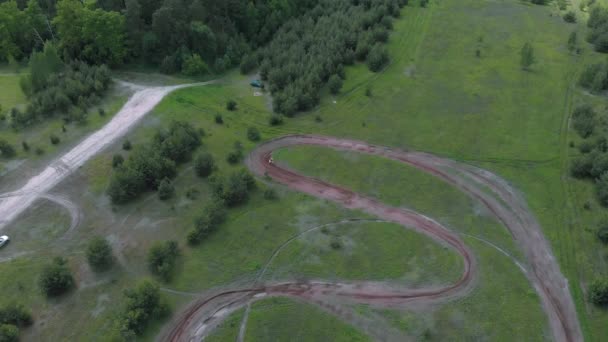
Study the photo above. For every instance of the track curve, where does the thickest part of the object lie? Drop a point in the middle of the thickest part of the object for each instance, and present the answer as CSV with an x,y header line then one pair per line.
x,y
490,190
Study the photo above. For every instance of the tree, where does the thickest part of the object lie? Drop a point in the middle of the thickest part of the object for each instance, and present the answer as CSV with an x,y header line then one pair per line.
x,y
143,303
99,254
16,315
598,292
117,160
527,56
161,259
583,120
602,232
9,333
231,105
212,216
377,58
334,84
6,150
570,17
166,190
56,278
253,134
194,66
204,164
572,41
602,188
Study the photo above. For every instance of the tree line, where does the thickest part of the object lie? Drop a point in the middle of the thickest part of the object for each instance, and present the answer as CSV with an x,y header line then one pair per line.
x,y
311,49
171,33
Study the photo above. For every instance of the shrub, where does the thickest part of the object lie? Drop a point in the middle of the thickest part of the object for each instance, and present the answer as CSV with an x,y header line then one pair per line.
x,y
9,333
218,119
204,164
581,167
25,145
55,139
212,216
102,112
602,232
161,259
253,134
126,145
39,151
598,292
194,66
570,17
15,314
275,120
56,278
99,254
602,188
231,105
233,157
377,58
335,244
142,305
334,84
6,150
166,190
117,160
583,120
270,194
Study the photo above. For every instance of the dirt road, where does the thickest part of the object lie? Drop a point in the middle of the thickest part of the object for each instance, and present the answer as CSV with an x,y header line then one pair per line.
x,y
490,190
140,103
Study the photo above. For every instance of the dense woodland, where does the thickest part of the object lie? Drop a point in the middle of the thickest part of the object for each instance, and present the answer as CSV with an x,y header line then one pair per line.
x,y
297,45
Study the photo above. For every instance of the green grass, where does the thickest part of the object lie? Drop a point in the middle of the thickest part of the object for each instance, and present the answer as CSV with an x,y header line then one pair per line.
x,y
434,96
11,94
280,319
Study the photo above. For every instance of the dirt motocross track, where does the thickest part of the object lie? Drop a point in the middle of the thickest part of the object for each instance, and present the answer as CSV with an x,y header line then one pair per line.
x,y
493,192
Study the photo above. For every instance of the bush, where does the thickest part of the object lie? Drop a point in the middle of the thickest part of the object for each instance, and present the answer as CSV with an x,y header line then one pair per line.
x,y
598,292
234,189
161,259
15,314
602,189
166,190
6,150
335,244
275,120
101,112
602,232
231,105
126,145
581,167
99,254
194,66
583,120
234,157
248,64
570,17
55,139
334,84
212,216
204,164
56,278
117,160
9,333
377,58
25,145
270,194
253,134
143,304
218,119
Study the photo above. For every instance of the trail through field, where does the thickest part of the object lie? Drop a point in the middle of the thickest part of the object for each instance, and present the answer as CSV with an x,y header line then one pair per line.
x,y
504,203
141,102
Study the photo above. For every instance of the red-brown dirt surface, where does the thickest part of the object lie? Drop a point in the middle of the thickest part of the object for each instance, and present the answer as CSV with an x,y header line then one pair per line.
x,y
492,191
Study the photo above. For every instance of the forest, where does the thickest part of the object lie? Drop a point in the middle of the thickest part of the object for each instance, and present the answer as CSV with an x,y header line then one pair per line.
x,y
298,46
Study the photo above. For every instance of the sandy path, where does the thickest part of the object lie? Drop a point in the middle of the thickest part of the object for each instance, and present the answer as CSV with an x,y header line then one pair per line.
x,y
490,190
143,101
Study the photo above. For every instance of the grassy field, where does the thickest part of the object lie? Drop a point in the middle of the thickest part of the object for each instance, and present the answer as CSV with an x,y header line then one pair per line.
x,y
437,96
279,319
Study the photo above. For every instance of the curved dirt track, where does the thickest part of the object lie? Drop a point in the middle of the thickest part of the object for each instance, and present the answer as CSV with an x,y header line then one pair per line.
x,y
140,103
493,192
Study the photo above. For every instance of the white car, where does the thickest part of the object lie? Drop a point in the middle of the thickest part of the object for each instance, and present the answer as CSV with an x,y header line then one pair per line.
x,y
3,240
